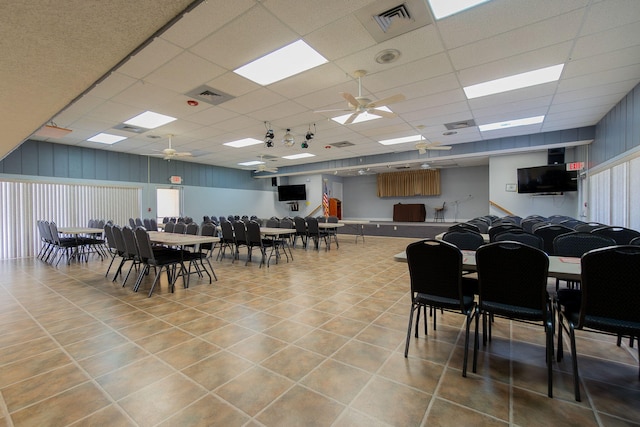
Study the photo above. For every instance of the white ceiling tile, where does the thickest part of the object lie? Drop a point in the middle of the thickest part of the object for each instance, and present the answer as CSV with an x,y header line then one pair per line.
x,y
180,73
609,14
143,63
249,37
204,20
595,44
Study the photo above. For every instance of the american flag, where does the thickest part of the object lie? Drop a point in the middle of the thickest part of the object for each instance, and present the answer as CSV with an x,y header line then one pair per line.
x,y
325,200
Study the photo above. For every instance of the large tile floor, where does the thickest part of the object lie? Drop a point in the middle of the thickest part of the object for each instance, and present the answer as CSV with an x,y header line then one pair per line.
x,y
314,342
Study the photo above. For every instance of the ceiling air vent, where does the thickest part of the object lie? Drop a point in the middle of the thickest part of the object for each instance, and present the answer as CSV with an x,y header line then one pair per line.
x,y
460,125
342,144
209,95
386,19
130,128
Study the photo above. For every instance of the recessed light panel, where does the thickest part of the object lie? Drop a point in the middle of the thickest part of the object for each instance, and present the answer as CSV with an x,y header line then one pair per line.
x,y
517,81
298,156
511,123
150,120
402,140
282,63
363,117
243,142
251,163
443,8
106,138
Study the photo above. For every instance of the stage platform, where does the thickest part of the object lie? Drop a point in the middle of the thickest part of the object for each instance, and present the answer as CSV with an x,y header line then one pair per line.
x,y
418,230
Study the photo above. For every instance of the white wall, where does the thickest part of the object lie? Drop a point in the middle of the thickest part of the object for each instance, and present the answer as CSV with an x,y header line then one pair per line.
x,y
503,170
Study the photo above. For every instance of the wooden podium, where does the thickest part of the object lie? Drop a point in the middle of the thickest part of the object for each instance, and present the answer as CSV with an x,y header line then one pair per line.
x,y
415,212
335,208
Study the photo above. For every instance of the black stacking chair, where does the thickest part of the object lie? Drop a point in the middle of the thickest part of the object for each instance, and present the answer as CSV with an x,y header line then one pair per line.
x,y
521,236
132,223
483,226
621,235
607,301
301,231
500,227
550,232
314,232
179,228
577,244
435,270
147,224
512,280
131,253
528,223
635,241
227,240
464,239
572,223
126,253
255,240
588,226
464,226
167,260
111,245
169,226
240,233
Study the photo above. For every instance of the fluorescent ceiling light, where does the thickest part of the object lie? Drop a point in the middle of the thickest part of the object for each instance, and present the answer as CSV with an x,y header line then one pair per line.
x,y
282,63
106,138
402,140
150,120
298,156
245,142
443,8
362,117
251,163
517,81
511,123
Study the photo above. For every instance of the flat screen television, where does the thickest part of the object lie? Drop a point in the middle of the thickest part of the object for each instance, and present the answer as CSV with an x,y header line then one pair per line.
x,y
547,179
288,193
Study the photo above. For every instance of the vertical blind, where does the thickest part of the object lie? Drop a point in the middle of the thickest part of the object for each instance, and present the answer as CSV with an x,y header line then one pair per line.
x,y
613,192
68,205
409,183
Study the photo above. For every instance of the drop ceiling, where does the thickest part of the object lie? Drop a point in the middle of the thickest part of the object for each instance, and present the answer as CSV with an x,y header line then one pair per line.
x,y
598,41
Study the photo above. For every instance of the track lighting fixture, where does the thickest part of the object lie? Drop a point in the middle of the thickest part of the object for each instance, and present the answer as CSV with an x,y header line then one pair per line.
x,y
308,137
268,137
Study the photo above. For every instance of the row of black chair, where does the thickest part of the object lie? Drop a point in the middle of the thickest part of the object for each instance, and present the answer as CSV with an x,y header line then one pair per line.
x,y
512,283
135,246
55,245
150,224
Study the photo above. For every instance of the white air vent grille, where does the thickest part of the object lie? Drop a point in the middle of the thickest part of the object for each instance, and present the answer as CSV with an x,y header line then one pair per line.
x,y
460,125
386,19
209,95
342,144
129,128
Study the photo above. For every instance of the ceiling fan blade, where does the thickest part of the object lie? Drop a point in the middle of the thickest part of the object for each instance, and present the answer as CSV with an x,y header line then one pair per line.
x,y
422,150
332,110
439,147
350,99
381,113
183,154
386,101
351,119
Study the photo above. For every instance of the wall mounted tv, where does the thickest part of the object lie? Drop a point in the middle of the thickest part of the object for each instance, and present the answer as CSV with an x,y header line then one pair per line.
x,y
547,179
287,193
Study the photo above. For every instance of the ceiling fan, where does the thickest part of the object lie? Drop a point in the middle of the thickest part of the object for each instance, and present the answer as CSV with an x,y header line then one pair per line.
x,y
423,146
361,104
262,167
171,153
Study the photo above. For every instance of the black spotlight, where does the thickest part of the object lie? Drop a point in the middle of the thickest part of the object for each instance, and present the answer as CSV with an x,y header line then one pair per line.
x,y
268,143
309,136
269,134
304,144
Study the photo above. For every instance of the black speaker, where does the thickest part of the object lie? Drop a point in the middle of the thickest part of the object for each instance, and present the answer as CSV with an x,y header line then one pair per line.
x,y
555,156
274,181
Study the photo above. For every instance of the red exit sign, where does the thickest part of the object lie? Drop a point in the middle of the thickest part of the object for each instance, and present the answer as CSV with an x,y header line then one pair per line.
x,y
575,166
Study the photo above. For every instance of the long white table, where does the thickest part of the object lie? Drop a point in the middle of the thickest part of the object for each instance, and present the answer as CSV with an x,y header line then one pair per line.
x,y
563,268
175,239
